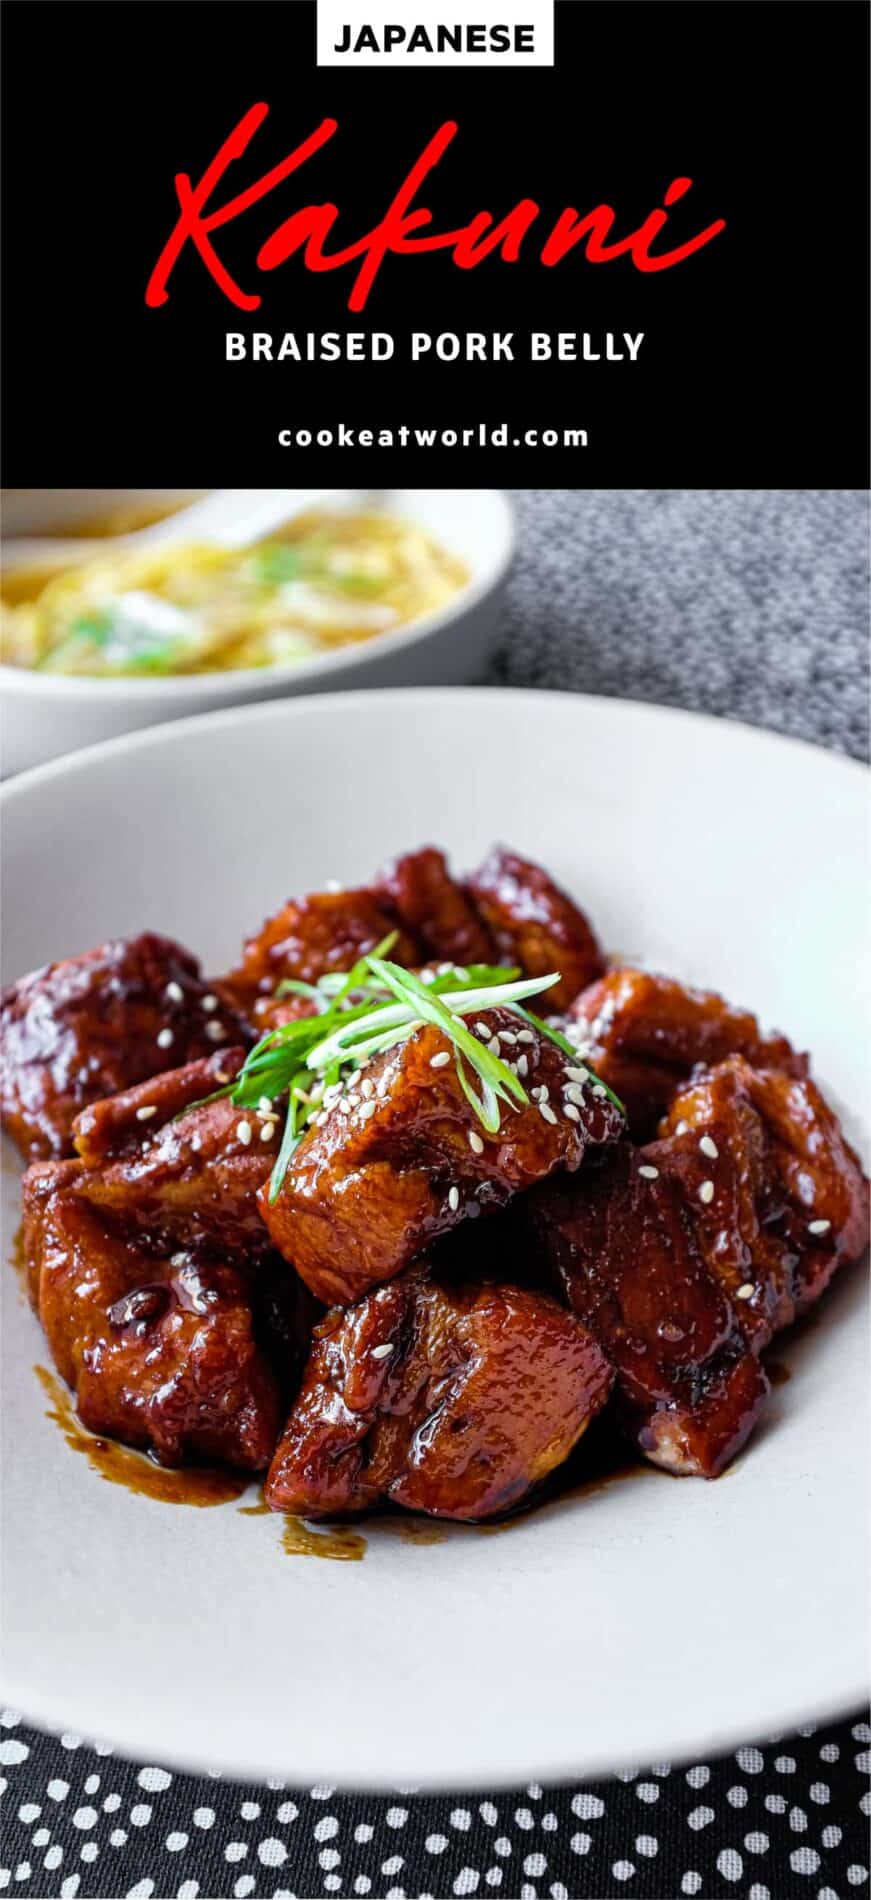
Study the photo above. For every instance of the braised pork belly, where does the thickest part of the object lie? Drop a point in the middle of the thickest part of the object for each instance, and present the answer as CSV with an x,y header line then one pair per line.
x,y
84,1028
401,1157
644,1034
453,1399
399,1204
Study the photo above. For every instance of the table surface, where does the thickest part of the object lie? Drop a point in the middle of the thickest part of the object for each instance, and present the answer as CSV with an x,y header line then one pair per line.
x,y
752,605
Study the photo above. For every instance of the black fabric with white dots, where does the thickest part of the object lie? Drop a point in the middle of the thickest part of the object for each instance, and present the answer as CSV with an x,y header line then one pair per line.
x,y
783,1821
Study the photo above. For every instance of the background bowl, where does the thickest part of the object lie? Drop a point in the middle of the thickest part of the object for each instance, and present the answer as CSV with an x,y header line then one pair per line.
x,y
43,715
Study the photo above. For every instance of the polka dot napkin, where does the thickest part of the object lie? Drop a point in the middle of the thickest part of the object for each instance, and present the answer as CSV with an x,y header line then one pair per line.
x,y
786,1820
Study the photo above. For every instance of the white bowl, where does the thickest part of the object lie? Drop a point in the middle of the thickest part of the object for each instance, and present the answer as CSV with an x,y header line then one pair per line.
x,y
43,715
643,1621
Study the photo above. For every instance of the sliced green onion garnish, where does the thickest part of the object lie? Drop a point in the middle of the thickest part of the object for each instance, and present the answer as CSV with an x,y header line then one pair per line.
x,y
376,1006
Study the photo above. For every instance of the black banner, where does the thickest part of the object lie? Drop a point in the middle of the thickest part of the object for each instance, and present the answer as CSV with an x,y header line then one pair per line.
x,y
546,362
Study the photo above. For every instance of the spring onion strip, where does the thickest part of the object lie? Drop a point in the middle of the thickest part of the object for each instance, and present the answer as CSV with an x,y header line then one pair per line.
x,y
376,1006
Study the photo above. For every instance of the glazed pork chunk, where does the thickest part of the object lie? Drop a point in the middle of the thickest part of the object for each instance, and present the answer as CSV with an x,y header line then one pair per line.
x,y
535,924
160,1353
453,1399
623,1249
686,1256
82,1029
644,1034
162,1161
435,908
312,935
402,1157
778,1196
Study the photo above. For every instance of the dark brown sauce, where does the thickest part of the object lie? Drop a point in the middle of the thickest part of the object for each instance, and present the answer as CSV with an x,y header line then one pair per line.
x,y
299,1539
408,1528
18,1257
117,1464
594,1468
337,1542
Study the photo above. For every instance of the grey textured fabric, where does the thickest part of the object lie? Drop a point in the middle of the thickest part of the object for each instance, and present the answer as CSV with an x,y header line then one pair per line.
x,y
748,603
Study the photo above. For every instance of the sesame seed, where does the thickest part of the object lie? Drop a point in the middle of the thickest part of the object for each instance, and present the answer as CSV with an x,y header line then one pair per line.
x,y
174,993
264,1106
578,1074
507,1035
382,1352
166,1039
483,1029
145,1114
221,1075
244,1132
600,1090
367,1087
493,1046
454,1199
706,1192
525,1035
196,1141
267,1131
819,1226
683,1128
746,1291
216,1032
522,1066
542,1092
544,1108
709,1147
177,1259
440,1061
574,1093
445,969
210,1002
475,1142
367,1111
571,1113
650,1174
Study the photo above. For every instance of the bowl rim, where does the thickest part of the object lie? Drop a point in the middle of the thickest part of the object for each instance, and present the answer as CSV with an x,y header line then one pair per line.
x,y
25,682
222,718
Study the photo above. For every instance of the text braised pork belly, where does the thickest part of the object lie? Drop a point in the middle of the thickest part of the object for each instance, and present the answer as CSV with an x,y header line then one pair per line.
x,y
402,1157
453,1399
